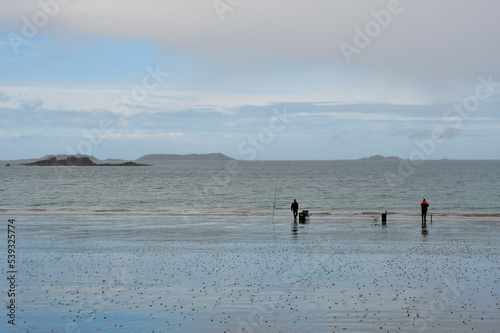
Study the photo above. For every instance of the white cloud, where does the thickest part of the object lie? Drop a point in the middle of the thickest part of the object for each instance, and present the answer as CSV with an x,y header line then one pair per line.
x,y
445,42
152,135
359,116
262,54
173,101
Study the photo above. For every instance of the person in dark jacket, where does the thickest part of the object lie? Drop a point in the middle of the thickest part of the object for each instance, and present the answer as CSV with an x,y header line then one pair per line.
x,y
295,208
424,206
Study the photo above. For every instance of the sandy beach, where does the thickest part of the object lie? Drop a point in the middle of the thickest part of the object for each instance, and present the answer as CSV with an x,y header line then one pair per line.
x,y
248,274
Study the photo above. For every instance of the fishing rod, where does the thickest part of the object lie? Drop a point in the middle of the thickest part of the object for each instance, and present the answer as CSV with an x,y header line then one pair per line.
x,y
274,203
275,189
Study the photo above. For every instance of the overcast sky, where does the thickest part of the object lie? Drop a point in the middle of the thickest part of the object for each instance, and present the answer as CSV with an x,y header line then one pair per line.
x,y
253,79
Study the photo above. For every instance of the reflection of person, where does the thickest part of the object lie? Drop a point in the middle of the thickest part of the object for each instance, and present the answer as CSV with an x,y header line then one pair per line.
x,y
295,208
295,227
424,206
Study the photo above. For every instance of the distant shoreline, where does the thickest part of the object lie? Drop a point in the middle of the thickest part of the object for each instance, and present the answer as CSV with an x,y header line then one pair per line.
x,y
200,158
145,158
77,161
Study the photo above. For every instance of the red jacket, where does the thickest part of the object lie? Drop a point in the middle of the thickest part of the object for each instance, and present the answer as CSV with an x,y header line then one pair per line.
x,y
424,205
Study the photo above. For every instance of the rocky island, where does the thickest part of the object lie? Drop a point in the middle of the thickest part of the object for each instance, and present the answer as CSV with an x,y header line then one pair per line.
x,y
381,158
77,161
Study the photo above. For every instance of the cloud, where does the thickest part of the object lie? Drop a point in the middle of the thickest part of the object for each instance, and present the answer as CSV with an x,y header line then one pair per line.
x,y
192,117
153,135
175,101
226,76
420,134
359,116
449,133
28,105
441,42
3,97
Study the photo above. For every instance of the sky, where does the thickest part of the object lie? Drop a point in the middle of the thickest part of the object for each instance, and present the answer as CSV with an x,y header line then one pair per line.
x,y
252,79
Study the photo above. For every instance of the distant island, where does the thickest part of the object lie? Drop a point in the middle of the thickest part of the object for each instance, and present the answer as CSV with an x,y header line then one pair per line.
x,y
188,157
381,158
89,160
65,156
76,161
58,157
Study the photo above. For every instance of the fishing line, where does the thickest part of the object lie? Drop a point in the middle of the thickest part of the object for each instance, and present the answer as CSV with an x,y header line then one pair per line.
x,y
274,202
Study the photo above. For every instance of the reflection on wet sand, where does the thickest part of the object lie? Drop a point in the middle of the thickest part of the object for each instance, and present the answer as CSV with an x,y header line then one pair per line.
x,y
424,234
216,274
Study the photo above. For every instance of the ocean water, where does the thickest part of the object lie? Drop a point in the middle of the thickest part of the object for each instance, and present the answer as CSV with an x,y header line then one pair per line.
x,y
190,247
254,188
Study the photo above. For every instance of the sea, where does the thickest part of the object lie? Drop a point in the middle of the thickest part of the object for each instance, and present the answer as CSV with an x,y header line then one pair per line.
x,y
343,188
213,247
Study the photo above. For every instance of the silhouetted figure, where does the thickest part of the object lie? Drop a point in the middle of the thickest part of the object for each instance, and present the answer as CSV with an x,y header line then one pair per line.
x,y
295,208
424,206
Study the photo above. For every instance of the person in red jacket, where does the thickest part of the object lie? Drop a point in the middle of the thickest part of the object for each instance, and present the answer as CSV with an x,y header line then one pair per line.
x,y
424,206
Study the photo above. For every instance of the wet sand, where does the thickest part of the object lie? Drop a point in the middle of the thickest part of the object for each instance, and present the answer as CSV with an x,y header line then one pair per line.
x,y
248,274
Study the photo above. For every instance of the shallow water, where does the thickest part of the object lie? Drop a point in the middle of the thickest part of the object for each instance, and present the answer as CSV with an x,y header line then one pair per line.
x,y
250,274
243,188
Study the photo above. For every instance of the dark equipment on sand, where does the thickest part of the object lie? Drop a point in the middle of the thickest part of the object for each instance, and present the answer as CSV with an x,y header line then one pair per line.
x,y
384,217
304,216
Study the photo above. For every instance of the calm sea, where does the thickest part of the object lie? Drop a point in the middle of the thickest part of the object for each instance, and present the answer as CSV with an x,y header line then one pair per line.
x,y
337,188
